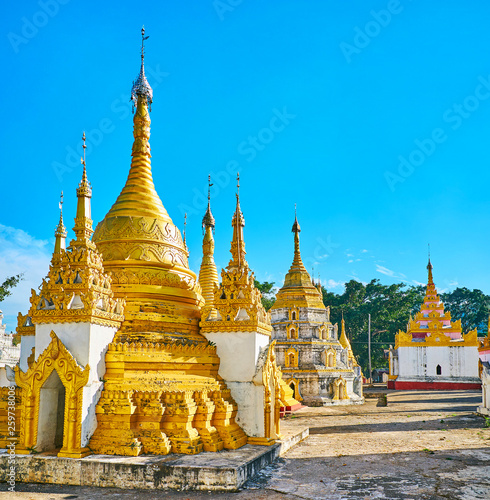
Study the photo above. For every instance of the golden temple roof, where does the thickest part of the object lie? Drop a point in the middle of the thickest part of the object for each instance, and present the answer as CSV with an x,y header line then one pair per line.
x,y
432,325
298,289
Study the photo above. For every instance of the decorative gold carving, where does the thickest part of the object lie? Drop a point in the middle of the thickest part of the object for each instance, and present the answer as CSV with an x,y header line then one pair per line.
x,y
330,357
78,290
236,301
296,384
117,425
25,327
154,277
202,422
180,409
291,358
238,305
73,377
339,389
149,413
271,378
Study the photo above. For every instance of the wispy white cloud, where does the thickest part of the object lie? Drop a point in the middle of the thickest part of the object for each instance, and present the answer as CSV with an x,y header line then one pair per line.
x,y
21,253
385,270
418,283
388,272
332,284
364,251
350,261
453,283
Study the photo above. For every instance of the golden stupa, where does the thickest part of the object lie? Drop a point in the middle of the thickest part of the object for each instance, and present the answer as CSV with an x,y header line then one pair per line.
x,y
158,351
144,250
118,316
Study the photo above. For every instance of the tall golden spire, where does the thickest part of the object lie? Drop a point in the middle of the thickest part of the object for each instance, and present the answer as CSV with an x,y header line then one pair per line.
x,y
430,280
137,238
139,197
60,233
296,229
83,221
208,274
298,288
237,249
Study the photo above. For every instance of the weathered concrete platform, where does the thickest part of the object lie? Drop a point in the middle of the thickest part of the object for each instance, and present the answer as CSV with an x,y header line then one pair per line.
x,y
222,471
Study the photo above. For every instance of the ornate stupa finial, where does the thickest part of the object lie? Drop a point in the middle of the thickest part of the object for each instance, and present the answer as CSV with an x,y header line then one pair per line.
x,y
208,274
84,188
208,219
238,222
429,268
185,228
83,221
60,233
141,87
296,229
299,287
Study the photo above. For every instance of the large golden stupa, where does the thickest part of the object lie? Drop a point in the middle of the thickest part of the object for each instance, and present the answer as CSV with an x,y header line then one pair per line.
x,y
144,250
114,334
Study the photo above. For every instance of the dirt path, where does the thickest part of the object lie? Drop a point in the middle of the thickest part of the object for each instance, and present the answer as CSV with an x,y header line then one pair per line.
x,y
423,445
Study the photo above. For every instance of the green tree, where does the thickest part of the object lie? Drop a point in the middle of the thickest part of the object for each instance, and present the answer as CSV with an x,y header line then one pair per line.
x,y
8,284
390,307
471,306
267,291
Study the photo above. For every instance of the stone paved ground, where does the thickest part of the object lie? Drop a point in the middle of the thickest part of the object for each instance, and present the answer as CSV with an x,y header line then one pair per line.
x,y
423,445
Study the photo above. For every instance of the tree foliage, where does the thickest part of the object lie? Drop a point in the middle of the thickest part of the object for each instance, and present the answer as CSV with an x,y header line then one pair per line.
x,y
470,306
8,284
267,290
390,307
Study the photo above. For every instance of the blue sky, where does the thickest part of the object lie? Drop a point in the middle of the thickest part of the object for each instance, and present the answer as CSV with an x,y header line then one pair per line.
x,y
373,117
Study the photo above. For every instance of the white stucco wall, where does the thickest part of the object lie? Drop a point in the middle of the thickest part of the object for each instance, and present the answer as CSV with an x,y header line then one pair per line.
x,y
250,401
88,345
420,362
86,342
238,353
27,342
4,381
91,396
